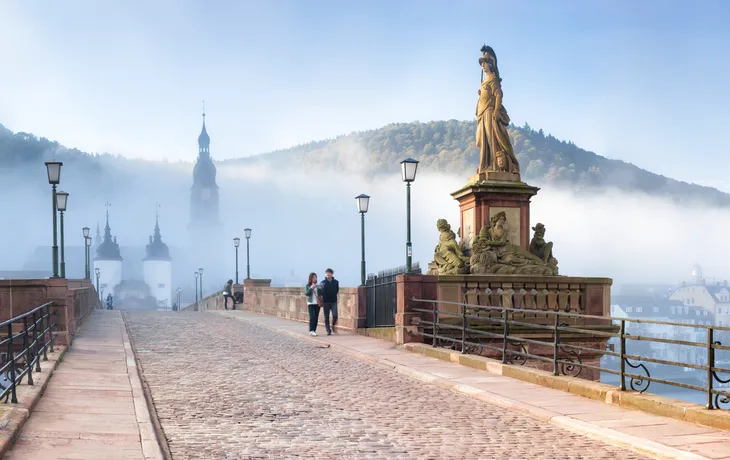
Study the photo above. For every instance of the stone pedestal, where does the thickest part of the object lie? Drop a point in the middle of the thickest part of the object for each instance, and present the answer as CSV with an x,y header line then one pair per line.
x,y
408,288
481,199
252,282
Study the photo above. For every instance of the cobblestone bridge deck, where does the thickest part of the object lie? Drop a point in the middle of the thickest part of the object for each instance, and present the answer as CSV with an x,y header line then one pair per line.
x,y
228,389
236,385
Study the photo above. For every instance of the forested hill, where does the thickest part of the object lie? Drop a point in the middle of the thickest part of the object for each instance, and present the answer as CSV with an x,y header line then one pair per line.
x,y
449,146
440,145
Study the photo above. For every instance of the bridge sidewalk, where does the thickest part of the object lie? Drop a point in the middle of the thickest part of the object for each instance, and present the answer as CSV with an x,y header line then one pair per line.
x,y
656,436
94,407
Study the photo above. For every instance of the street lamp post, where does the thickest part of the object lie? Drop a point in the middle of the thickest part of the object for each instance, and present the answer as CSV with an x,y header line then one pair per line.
x,y
236,243
97,272
178,298
61,201
88,258
54,178
363,202
85,230
196,287
248,260
200,270
408,169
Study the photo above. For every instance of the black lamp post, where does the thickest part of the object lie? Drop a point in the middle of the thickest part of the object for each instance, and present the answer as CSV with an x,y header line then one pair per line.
x,y
61,201
88,258
408,169
236,243
97,272
200,270
54,178
248,260
85,230
363,202
196,287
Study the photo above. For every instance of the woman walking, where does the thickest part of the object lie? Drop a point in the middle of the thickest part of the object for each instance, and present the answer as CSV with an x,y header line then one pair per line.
x,y
314,297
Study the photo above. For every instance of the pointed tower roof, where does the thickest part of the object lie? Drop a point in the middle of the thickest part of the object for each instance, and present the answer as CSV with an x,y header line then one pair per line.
x,y
156,249
108,249
204,139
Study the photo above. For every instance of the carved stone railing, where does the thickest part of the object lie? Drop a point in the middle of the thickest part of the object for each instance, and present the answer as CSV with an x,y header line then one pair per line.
x,y
588,296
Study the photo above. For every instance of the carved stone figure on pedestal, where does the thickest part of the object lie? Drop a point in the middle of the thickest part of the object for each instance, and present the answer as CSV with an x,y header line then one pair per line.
x,y
495,149
448,257
493,254
540,248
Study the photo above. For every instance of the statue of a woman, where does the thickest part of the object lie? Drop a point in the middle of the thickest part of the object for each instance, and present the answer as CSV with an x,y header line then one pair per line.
x,y
495,150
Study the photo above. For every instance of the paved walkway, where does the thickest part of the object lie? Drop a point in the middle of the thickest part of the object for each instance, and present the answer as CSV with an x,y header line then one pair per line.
x,y
660,436
229,389
93,407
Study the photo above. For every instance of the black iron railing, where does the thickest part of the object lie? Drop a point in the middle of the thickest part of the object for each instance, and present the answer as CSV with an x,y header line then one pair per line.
x,y
509,332
26,340
380,295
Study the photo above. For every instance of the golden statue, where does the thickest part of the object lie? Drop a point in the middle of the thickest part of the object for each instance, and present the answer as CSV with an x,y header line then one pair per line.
x,y
448,255
495,149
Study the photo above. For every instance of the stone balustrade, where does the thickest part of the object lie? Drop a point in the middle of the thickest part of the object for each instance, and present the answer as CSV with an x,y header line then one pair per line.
x,y
74,300
290,303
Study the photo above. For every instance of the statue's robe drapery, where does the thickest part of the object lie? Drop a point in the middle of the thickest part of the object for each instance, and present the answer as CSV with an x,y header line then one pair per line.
x,y
492,134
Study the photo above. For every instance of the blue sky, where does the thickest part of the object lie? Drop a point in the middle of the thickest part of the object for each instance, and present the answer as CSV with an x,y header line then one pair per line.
x,y
644,81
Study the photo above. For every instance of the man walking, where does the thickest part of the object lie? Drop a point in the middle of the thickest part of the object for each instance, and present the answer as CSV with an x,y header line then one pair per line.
x,y
330,289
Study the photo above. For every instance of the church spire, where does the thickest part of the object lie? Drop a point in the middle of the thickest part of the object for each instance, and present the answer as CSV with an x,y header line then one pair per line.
x,y
203,138
156,249
108,249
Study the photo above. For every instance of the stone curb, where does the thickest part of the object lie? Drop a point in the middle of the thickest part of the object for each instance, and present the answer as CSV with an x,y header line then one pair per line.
x,y
608,394
607,435
19,413
152,436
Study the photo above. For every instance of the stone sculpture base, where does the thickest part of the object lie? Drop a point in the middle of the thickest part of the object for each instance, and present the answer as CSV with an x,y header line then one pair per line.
x,y
479,201
490,176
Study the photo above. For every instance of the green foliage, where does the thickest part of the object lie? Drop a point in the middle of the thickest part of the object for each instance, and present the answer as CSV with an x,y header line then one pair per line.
x,y
447,146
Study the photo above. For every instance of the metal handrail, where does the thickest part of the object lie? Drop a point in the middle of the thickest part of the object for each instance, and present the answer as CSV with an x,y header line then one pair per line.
x,y
33,341
566,357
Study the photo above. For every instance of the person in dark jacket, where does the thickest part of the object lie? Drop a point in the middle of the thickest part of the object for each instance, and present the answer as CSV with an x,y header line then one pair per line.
x,y
330,289
228,294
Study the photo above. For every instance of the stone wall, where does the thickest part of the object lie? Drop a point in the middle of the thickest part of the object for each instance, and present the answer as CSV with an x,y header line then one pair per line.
x,y
529,298
290,303
74,300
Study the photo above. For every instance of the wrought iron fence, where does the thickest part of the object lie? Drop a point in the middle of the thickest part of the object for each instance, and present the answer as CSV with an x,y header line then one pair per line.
x,y
509,333
380,293
26,340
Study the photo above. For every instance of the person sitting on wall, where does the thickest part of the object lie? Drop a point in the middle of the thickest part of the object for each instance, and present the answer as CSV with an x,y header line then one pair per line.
x,y
228,294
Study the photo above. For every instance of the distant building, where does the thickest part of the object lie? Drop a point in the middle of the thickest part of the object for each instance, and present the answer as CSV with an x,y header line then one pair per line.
x,y
108,261
657,309
206,232
204,212
712,298
158,269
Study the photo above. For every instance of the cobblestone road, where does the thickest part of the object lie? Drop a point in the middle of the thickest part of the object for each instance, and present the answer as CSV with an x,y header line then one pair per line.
x,y
226,389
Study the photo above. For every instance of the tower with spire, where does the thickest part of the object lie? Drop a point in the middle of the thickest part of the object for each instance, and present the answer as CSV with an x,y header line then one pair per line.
x,y
204,192
108,260
158,268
